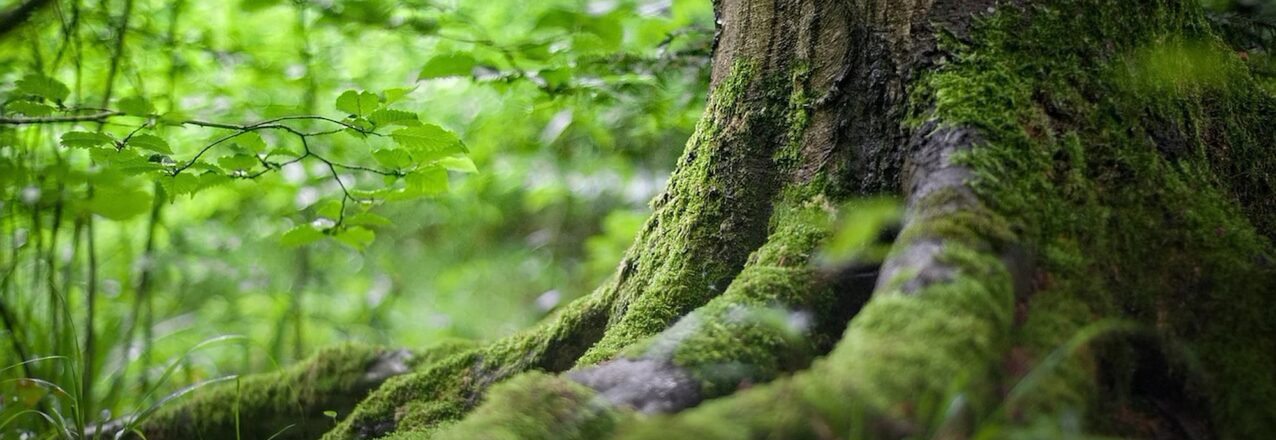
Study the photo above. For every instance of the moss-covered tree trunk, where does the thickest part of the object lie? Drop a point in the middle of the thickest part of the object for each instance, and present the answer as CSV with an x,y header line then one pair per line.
x,y
1086,246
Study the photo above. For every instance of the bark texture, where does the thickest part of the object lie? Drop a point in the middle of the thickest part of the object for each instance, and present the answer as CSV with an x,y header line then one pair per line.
x,y
1086,246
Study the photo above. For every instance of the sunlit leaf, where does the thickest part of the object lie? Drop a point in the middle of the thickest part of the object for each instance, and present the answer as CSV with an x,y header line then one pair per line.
x,y
396,94
150,142
430,181
84,139
329,209
357,103
356,237
384,117
448,65
252,142
429,142
392,158
458,163
301,235
241,162
180,185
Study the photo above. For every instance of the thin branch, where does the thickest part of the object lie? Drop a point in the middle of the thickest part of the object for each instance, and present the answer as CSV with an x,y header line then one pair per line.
x,y
95,117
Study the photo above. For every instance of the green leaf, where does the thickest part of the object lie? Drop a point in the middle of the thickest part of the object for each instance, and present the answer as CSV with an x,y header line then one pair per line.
x,y
330,209
119,202
429,142
175,117
136,106
330,414
427,182
84,139
150,142
396,94
357,103
30,108
448,65
43,86
387,116
180,185
130,162
356,237
252,142
367,219
301,235
392,158
458,163
239,162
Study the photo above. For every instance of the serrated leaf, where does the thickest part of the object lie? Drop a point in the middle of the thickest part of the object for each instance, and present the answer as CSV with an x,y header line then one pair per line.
x,y
356,237
281,151
129,162
180,185
238,162
84,139
427,182
136,106
387,116
301,235
461,164
367,219
429,142
392,158
30,108
251,141
119,202
150,142
212,179
448,65
39,85
357,103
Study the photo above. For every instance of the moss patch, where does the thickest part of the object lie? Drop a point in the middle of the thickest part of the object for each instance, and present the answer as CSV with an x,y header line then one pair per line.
x,y
291,402
1135,153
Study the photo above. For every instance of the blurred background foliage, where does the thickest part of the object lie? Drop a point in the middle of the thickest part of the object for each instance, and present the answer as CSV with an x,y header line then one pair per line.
x,y
572,113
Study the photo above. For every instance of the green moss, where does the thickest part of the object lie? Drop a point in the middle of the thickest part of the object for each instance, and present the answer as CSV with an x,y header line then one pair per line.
x,y
713,214
291,402
1134,152
763,324
537,406
442,392
894,365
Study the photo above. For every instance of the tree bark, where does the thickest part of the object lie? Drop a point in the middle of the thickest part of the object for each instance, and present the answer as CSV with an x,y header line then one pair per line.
x,y
1063,162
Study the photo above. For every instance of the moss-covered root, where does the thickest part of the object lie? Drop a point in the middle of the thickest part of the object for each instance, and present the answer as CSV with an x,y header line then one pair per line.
x,y
534,406
289,404
892,374
441,393
773,318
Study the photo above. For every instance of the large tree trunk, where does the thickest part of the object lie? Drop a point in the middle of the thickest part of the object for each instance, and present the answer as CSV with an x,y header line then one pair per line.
x,y
1064,162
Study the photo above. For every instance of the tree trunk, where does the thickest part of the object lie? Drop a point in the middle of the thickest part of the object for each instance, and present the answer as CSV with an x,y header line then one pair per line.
x,y
1086,245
